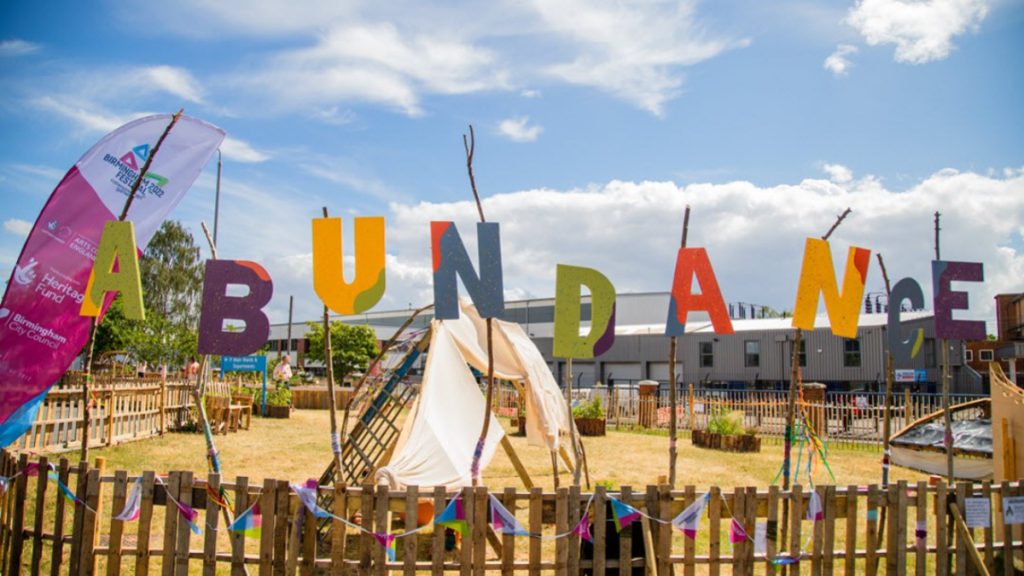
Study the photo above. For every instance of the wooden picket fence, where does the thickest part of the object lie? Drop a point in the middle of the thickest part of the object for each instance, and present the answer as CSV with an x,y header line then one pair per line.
x,y
846,419
865,530
124,409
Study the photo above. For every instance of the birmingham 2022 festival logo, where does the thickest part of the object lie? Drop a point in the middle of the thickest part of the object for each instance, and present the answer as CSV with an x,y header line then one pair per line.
x,y
128,168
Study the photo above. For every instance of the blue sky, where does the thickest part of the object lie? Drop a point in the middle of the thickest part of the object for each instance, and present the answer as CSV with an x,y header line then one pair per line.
x,y
595,122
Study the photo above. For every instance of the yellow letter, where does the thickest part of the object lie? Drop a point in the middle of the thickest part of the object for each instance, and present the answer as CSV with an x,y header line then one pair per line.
x,y
818,276
328,280
116,244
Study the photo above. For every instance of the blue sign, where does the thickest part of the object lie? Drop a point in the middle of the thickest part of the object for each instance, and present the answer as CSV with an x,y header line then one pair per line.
x,y
243,363
247,364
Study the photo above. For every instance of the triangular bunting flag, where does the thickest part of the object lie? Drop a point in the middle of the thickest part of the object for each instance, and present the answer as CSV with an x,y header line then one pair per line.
x,y
133,505
624,513
688,520
454,516
307,493
388,542
582,529
249,523
736,532
503,521
784,561
189,514
68,494
814,510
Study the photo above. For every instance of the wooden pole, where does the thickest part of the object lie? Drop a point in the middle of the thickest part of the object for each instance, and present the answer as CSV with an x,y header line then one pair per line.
x,y
91,346
673,393
470,146
947,417
329,361
889,377
288,348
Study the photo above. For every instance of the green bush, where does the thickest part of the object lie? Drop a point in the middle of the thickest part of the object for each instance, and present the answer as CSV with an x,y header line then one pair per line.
x,y
279,396
591,409
727,423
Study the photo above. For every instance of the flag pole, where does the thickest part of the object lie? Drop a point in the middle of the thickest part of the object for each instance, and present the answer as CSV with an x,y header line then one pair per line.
x,y
90,347
673,393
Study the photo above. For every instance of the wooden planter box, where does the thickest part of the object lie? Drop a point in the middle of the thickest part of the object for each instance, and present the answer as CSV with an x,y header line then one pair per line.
x,y
279,411
590,426
733,443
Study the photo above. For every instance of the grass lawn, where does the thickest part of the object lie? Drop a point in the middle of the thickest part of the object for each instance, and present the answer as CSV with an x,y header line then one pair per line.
x,y
299,447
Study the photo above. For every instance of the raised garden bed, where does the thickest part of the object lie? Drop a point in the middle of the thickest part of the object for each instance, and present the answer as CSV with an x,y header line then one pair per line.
x,y
727,443
279,411
590,426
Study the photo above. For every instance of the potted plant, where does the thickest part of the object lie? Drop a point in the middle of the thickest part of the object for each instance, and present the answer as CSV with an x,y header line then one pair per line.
x,y
726,432
279,402
590,417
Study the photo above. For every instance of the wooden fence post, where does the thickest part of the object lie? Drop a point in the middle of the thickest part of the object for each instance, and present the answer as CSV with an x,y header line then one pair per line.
x,y
17,527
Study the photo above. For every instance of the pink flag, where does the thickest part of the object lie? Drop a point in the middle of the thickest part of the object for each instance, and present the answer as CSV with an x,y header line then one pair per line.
x,y
582,529
41,330
736,532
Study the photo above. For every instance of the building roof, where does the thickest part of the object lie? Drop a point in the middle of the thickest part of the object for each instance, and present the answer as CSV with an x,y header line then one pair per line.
x,y
763,324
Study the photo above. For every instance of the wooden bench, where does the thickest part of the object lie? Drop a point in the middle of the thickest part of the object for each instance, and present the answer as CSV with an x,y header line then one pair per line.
x,y
224,415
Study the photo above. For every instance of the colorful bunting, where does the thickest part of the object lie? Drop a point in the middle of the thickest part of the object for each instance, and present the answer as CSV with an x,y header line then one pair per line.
x,y
503,521
784,560
454,516
4,480
190,515
688,520
307,493
624,513
814,510
133,505
921,532
64,489
736,532
582,529
249,523
388,542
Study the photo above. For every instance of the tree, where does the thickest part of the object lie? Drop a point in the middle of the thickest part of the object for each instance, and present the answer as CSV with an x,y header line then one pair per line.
x,y
172,279
352,347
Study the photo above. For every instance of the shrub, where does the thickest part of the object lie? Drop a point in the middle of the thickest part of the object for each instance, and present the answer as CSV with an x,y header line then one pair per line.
x,y
279,396
726,423
590,409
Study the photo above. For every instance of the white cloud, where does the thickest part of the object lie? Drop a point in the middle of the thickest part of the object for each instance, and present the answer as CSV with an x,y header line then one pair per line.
x,y
16,47
530,93
242,151
838,173
635,51
173,80
517,129
837,63
88,116
376,63
922,30
18,227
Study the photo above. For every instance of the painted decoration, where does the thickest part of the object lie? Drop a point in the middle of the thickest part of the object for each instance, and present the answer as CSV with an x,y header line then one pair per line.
x,y
568,343
904,350
219,307
693,263
367,287
817,276
946,299
451,260
41,326
116,250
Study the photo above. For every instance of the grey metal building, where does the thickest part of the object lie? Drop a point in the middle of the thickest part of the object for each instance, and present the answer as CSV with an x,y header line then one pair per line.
x,y
757,355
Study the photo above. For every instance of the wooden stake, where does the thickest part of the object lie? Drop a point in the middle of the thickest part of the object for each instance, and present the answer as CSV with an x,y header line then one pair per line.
x,y
889,377
329,357
673,393
947,417
91,346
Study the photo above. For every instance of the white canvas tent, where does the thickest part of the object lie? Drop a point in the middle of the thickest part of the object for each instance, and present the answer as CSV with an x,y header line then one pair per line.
x,y
437,441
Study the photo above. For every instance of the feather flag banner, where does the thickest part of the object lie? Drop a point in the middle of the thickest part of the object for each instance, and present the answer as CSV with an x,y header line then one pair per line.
x,y
454,516
688,520
388,542
624,513
307,493
503,521
133,505
582,529
249,523
815,511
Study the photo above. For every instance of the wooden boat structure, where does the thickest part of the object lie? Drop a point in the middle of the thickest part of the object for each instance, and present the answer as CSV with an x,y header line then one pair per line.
x,y
920,445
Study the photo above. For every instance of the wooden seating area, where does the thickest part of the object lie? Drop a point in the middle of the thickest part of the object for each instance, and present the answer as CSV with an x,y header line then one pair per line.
x,y
225,411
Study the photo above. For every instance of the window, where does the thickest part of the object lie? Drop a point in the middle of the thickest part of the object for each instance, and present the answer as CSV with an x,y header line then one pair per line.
x,y
929,352
968,355
803,353
986,355
707,355
851,353
751,353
